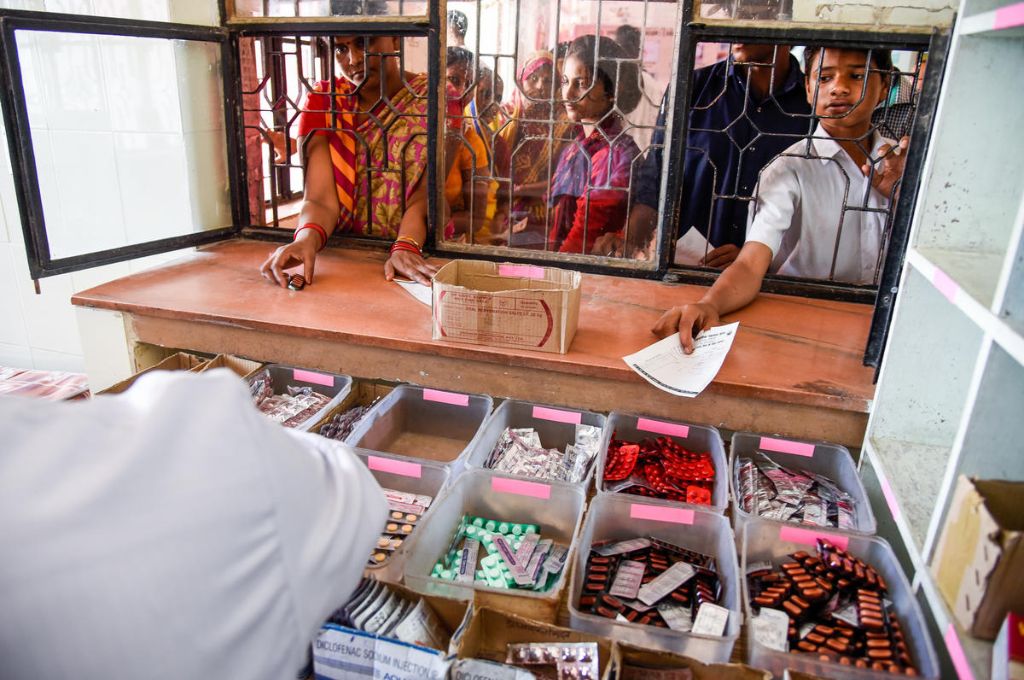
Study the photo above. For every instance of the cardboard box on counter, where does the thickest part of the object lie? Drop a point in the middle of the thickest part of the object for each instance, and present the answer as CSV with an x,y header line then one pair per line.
x,y
980,556
179,361
630,662
506,305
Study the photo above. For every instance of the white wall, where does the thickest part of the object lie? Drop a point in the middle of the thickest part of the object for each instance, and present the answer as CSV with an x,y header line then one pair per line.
x,y
85,204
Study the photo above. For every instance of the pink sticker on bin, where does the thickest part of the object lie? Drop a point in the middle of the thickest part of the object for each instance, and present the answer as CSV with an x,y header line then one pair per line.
x,y
521,488
658,427
557,415
956,654
890,498
452,398
786,446
315,378
395,467
525,271
660,513
944,284
1008,17
810,537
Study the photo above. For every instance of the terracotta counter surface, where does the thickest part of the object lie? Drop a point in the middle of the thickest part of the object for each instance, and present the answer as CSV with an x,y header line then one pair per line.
x,y
793,358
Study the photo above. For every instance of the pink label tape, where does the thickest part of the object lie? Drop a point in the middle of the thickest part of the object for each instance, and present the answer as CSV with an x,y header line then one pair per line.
x,y
557,415
660,514
525,271
810,537
658,427
786,446
521,488
945,284
395,467
315,378
956,654
452,398
890,498
1010,16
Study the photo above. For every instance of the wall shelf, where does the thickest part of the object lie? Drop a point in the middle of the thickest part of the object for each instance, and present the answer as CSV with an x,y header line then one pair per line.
x,y
950,392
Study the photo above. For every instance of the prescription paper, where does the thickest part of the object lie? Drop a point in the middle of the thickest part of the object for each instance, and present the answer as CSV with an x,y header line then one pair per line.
x,y
422,293
665,366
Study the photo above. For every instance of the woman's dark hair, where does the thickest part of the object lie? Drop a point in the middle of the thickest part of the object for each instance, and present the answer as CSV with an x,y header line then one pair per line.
x,y
880,59
458,56
358,7
619,75
458,22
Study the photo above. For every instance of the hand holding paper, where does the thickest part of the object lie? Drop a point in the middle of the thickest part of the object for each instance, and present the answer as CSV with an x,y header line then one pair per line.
x,y
667,367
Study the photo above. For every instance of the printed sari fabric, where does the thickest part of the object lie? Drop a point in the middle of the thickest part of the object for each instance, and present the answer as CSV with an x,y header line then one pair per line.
x,y
590,189
377,164
534,136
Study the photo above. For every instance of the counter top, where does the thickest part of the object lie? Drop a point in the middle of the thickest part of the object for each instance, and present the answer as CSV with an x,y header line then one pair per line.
x,y
792,350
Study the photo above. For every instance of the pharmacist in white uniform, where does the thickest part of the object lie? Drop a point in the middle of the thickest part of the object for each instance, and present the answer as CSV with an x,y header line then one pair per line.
x,y
798,214
172,531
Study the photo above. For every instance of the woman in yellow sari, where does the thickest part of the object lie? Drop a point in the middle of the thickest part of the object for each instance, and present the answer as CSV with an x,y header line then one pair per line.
x,y
534,137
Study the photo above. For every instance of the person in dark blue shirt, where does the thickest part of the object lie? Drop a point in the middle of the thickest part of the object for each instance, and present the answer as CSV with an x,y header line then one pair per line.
x,y
744,111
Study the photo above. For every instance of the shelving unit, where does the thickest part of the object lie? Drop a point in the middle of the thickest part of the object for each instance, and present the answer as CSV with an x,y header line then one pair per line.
x,y
951,386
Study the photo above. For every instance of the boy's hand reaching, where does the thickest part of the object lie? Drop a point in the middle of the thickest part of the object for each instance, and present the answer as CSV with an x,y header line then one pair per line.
x,y
888,167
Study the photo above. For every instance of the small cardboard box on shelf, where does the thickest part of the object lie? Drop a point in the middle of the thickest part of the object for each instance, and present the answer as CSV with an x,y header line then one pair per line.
x,y
980,555
506,305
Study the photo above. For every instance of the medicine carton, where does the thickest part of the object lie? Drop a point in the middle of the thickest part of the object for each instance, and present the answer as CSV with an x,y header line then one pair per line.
x,y
506,305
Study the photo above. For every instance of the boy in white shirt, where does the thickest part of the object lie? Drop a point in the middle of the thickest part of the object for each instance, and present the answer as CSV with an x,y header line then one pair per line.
x,y
795,225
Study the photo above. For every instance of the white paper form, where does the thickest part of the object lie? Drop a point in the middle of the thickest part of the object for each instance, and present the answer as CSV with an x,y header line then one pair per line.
x,y
424,294
691,247
665,366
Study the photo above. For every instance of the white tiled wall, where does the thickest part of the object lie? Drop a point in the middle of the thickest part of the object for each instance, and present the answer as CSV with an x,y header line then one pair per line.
x,y
101,142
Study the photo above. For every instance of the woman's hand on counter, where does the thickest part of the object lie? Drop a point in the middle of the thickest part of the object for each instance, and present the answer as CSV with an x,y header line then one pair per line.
x,y
688,320
301,251
410,265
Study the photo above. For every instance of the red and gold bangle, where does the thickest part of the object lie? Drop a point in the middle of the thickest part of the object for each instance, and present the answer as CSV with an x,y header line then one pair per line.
x,y
315,227
402,245
410,239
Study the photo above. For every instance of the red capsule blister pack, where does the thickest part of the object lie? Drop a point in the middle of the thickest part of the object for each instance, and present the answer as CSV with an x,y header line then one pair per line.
x,y
659,468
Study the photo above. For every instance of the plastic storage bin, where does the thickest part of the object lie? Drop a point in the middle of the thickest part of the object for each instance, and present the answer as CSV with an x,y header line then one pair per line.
x,y
555,425
633,428
831,460
621,516
762,541
419,477
333,385
556,507
425,424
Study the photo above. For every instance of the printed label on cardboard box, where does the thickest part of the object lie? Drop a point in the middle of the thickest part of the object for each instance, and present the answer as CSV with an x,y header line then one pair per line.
x,y
340,653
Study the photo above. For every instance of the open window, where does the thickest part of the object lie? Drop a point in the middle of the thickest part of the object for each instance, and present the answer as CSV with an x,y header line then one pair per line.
x,y
211,147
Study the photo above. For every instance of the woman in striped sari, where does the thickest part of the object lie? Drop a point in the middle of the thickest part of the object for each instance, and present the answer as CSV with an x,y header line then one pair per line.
x,y
364,144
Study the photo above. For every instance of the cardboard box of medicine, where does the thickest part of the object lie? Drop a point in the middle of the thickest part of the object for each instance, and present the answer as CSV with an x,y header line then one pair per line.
x,y
179,361
340,653
489,632
506,305
1008,650
980,557
244,368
